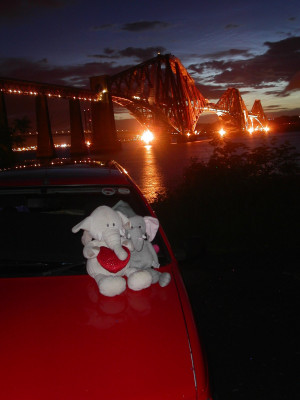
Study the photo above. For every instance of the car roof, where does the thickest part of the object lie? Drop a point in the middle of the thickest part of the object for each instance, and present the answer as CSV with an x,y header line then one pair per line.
x,y
65,172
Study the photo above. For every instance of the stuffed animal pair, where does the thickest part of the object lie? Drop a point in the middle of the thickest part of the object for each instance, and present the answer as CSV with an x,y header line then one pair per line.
x,y
116,247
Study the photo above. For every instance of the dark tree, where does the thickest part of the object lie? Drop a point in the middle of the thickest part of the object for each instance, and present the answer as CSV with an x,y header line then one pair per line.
x,y
241,199
10,136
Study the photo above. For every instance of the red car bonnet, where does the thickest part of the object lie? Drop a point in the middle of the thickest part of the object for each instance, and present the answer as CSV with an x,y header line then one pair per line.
x,y
62,339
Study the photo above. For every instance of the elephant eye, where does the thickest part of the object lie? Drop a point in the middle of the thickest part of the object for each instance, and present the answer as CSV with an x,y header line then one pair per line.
x,y
107,225
114,224
140,226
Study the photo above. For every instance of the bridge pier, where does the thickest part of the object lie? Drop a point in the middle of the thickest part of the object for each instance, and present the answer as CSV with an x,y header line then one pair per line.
x,y
6,152
3,114
45,146
78,146
104,134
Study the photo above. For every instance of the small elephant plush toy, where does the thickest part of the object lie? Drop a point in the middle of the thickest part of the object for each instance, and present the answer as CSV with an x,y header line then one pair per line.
x,y
141,233
108,252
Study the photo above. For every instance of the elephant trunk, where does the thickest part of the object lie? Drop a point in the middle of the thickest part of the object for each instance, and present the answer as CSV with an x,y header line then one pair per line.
x,y
112,239
137,238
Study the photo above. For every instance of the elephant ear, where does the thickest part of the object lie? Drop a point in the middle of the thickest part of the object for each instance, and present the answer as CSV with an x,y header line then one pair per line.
x,y
125,220
91,249
85,224
86,237
152,225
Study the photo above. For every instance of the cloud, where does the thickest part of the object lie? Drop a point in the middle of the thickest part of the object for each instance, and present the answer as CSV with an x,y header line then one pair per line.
x,y
144,26
294,83
142,54
75,75
133,26
278,64
40,71
228,53
138,53
17,9
231,26
112,56
108,50
282,33
209,66
211,92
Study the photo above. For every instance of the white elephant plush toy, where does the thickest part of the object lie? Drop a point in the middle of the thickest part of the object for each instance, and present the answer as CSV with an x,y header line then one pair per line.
x,y
108,252
141,233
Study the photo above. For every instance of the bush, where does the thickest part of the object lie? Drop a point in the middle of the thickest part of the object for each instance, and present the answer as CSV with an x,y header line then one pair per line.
x,y
241,199
9,137
6,154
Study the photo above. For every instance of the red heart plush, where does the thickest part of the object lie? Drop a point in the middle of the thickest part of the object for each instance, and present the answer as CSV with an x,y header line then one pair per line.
x,y
109,261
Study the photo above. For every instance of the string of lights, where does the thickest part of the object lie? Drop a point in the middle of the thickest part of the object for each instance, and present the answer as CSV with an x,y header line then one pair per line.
x,y
19,87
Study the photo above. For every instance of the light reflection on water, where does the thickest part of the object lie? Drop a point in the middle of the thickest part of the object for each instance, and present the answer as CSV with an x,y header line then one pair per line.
x,y
152,180
158,168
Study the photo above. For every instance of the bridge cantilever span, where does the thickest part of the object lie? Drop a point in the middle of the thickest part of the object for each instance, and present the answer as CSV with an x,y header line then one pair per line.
x,y
159,92
161,95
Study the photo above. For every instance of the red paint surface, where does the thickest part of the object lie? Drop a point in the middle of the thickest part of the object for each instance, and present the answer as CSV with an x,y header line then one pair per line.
x,y
61,339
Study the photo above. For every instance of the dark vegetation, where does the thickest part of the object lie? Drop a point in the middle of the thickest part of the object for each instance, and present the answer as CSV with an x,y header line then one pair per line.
x,y
238,218
10,136
241,200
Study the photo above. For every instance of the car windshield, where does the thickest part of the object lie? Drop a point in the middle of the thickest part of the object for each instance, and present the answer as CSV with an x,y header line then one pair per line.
x,y
36,222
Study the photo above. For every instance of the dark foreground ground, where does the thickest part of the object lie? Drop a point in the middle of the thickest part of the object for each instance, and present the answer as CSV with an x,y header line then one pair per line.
x,y
247,309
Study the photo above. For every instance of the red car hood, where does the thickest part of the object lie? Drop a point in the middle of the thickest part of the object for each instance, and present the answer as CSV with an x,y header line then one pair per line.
x,y
61,339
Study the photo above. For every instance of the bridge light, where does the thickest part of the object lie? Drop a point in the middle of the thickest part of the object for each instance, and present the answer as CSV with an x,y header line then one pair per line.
x,y
266,128
222,132
250,130
147,136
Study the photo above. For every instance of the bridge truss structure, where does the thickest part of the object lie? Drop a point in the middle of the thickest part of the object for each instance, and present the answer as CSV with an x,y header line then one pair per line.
x,y
159,93
233,113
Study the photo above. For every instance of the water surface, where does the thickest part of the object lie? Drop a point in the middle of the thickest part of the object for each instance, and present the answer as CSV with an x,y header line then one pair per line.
x,y
158,168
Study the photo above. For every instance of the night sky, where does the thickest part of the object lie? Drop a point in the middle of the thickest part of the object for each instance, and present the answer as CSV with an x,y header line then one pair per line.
x,y
251,45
